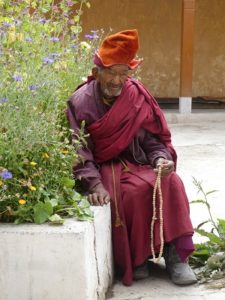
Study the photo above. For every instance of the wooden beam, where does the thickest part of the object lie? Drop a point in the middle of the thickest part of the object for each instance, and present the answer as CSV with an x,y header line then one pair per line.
x,y
187,38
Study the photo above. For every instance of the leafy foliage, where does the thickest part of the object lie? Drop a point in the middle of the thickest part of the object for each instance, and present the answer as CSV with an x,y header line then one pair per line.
x,y
209,257
42,60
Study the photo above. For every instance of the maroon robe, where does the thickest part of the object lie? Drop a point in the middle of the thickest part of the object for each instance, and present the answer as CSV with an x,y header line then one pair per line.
x,y
135,132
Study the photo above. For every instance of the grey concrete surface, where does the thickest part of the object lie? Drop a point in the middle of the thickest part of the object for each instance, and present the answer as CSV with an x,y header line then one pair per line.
x,y
199,140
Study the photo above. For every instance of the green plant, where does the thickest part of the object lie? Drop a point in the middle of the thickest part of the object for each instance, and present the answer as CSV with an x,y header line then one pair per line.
x,y
42,60
210,255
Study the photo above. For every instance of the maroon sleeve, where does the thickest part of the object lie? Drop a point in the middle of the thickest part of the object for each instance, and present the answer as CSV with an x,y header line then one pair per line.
x,y
86,170
154,149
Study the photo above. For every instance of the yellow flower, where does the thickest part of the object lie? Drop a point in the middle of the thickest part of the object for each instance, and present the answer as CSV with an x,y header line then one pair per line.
x,y
12,28
1,183
45,155
11,37
33,163
22,201
20,36
32,188
65,151
60,66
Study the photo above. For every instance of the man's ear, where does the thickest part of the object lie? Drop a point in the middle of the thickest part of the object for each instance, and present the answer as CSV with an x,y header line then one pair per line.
x,y
95,72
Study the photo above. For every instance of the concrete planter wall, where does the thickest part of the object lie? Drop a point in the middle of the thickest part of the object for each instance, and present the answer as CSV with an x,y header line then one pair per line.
x,y
69,262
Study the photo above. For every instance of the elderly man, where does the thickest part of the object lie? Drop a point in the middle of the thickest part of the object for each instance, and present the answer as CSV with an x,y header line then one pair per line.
x,y
128,144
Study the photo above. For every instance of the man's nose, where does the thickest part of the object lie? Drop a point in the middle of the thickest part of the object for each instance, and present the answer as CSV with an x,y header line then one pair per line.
x,y
116,79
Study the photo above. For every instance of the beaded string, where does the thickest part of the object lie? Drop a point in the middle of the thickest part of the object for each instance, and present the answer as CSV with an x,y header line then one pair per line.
x,y
157,186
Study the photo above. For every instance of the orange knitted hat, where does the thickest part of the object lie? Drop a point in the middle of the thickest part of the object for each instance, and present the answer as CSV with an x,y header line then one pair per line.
x,y
119,48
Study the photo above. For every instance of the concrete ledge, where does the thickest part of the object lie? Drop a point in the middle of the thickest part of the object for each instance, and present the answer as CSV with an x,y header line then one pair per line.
x,y
197,116
69,262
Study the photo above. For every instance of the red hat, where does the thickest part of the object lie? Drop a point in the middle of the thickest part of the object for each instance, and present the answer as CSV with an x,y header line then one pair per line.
x,y
119,48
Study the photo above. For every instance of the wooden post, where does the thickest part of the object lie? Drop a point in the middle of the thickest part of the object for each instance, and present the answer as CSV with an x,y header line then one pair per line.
x,y
186,60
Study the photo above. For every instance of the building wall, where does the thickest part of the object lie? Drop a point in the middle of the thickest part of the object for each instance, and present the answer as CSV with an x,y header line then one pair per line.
x,y
209,49
159,26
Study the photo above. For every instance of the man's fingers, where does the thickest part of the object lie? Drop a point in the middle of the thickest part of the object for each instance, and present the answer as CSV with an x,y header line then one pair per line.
x,y
93,199
107,199
90,199
98,199
167,168
101,199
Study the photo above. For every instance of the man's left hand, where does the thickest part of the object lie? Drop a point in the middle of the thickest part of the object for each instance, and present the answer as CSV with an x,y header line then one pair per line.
x,y
166,165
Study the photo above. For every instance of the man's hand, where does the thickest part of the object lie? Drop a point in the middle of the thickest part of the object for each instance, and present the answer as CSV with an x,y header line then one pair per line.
x,y
98,195
166,165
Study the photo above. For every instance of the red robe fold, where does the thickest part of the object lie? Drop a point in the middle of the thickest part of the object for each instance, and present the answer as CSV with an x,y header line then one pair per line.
x,y
133,109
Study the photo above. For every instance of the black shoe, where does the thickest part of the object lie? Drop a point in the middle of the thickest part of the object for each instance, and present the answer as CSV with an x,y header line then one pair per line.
x,y
141,272
180,273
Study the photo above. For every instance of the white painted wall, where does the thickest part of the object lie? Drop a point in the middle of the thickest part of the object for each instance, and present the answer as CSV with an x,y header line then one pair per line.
x,y
69,262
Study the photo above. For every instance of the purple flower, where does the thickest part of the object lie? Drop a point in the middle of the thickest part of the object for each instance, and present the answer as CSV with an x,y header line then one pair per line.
x,y
89,36
17,22
6,24
69,3
33,87
42,20
6,174
54,39
73,46
17,77
48,60
29,40
92,36
3,99
54,55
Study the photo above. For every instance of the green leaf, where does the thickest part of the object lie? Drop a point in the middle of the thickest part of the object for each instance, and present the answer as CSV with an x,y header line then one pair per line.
x,y
84,203
70,212
76,18
56,219
54,202
201,252
84,218
201,224
76,196
202,202
198,201
68,182
210,192
221,225
42,212
211,236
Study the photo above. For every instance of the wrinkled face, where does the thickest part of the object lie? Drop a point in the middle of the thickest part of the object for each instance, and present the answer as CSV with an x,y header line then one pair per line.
x,y
111,79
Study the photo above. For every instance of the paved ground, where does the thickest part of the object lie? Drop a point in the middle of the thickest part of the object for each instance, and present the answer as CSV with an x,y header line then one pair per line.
x,y
200,144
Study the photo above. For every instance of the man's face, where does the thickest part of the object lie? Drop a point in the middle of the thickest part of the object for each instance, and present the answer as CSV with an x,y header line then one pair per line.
x,y
112,80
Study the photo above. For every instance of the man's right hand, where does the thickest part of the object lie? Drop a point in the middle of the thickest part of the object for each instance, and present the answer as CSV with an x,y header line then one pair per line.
x,y
98,195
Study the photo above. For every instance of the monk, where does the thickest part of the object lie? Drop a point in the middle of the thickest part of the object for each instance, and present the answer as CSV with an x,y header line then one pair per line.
x,y
128,149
